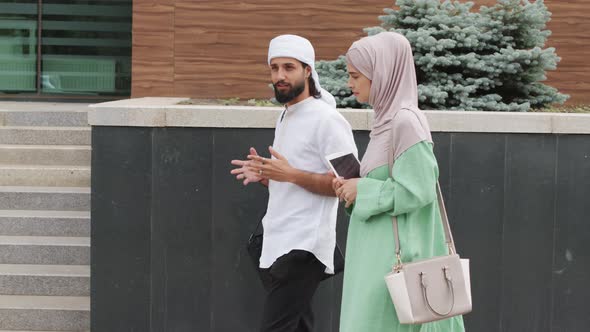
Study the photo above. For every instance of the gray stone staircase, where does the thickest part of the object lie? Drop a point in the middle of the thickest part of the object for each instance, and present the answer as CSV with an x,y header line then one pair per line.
x,y
44,217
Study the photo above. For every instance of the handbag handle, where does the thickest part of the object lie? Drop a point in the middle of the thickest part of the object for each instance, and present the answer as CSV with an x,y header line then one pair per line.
x,y
441,205
424,285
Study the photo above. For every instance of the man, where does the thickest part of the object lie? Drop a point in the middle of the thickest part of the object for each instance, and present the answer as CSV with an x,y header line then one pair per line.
x,y
300,222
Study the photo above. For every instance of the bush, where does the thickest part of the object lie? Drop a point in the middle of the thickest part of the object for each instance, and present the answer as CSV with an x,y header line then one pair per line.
x,y
491,60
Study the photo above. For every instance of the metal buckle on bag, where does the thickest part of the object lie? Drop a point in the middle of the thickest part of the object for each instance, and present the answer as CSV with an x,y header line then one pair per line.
x,y
451,250
398,264
423,281
447,273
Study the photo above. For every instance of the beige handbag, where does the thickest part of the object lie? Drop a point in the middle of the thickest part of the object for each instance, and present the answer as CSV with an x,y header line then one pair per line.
x,y
430,289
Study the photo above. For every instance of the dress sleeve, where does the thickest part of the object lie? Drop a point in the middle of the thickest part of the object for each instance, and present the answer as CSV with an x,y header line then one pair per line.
x,y
411,187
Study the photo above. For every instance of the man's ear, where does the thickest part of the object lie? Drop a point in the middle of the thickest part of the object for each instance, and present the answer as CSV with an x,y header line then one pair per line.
x,y
307,72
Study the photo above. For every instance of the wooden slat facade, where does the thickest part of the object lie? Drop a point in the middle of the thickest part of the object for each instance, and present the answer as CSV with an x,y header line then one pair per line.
x,y
217,49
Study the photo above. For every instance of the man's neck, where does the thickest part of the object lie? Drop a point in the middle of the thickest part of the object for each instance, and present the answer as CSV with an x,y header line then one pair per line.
x,y
304,95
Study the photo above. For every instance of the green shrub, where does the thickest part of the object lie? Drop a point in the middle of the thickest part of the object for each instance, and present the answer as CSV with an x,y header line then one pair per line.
x,y
493,59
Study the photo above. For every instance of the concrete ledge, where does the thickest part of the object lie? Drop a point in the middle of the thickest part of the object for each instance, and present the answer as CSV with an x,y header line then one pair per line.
x,y
140,112
165,112
221,116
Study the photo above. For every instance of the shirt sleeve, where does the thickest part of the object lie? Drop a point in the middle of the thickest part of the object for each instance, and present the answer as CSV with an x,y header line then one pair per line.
x,y
411,187
335,135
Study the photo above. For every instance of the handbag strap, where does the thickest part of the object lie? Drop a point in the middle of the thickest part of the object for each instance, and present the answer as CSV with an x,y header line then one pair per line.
x,y
441,205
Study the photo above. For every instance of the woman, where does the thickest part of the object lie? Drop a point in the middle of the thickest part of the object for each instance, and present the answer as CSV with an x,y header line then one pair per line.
x,y
382,73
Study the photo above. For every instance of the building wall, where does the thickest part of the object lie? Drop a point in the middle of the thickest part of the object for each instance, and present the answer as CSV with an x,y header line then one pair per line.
x,y
217,49
170,227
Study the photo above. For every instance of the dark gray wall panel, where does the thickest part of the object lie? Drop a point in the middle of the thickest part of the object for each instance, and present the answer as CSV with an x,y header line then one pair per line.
x,y
120,230
529,210
442,151
181,230
170,225
571,270
236,211
475,201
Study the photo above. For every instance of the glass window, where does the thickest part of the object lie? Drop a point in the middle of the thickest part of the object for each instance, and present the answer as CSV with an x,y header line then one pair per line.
x,y
85,47
18,46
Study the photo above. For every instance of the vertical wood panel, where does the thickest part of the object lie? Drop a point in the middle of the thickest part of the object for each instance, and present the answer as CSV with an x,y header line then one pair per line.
x,y
569,24
153,48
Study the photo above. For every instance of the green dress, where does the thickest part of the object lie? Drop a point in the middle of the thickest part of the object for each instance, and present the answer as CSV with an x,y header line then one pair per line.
x,y
370,250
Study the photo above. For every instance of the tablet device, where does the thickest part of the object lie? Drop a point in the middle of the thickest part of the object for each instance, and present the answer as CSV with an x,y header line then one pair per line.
x,y
344,164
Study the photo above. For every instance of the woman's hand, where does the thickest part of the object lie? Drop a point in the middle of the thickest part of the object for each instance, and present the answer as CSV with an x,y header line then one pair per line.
x,y
347,190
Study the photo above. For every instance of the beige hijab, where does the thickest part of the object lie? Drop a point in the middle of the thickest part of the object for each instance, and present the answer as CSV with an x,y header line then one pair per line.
x,y
386,59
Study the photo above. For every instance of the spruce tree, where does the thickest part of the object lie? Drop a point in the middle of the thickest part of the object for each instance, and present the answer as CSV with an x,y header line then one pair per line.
x,y
493,59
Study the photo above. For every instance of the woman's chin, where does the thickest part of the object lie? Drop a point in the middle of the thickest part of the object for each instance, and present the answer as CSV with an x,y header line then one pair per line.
x,y
360,100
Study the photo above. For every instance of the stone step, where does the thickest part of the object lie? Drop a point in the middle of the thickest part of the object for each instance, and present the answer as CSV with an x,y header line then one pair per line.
x,y
35,106
47,176
77,155
45,135
45,313
38,331
44,118
44,223
59,280
44,250
45,198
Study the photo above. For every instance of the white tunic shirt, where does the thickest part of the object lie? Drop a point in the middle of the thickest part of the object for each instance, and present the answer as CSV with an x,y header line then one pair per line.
x,y
297,218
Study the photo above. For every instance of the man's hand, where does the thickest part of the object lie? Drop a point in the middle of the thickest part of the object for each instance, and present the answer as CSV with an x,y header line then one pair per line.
x,y
337,182
280,170
243,173
277,169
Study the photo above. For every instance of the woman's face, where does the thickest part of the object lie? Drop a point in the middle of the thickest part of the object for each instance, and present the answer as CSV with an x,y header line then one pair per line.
x,y
359,84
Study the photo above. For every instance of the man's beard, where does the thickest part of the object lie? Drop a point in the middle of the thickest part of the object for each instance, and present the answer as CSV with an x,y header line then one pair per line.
x,y
284,97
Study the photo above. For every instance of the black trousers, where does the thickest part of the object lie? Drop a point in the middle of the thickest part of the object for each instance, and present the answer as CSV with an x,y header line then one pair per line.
x,y
290,284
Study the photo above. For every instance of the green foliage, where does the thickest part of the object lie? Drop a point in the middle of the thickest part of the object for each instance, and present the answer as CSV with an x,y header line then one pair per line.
x,y
230,101
261,102
566,109
492,59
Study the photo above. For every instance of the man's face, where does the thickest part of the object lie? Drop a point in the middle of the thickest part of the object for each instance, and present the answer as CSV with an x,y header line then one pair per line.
x,y
289,78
